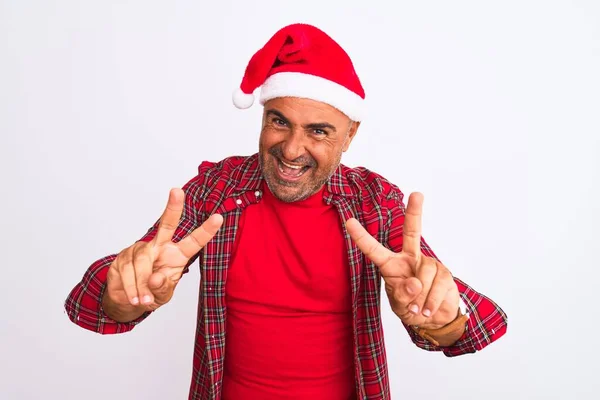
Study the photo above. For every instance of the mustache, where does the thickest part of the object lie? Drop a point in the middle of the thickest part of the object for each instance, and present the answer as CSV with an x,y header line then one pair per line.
x,y
303,160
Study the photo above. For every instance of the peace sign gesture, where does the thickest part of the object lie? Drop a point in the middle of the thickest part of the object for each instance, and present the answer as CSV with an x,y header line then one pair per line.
x,y
144,275
420,289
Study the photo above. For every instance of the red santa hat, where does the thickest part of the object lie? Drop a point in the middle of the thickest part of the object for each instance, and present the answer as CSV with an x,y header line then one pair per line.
x,y
302,61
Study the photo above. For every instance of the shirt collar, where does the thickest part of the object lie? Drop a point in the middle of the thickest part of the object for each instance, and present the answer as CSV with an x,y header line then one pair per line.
x,y
339,184
248,176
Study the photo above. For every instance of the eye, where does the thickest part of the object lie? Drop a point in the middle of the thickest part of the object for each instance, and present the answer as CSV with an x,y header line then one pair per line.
x,y
279,122
320,132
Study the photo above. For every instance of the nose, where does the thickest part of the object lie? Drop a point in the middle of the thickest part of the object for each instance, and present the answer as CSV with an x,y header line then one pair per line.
x,y
293,146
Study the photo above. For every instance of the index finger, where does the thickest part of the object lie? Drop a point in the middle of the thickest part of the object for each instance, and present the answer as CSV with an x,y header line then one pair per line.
x,y
170,217
196,240
411,233
370,247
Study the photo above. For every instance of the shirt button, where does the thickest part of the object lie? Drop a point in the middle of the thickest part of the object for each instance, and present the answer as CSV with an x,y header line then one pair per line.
x,y
257,193
238,202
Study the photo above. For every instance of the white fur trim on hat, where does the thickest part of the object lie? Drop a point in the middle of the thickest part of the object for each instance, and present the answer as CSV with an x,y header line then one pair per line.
x,y
295,84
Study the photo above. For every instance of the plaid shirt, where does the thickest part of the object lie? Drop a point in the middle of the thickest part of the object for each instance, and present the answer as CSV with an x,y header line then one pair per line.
x,y
227,188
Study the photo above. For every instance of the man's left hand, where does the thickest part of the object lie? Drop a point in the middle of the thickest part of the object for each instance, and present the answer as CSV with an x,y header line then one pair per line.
x,y
421,289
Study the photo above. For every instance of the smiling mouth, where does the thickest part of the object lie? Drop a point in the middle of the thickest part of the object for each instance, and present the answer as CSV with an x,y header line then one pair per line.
x,y
290,171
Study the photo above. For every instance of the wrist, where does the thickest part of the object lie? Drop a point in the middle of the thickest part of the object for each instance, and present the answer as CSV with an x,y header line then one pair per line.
x,y
448,334
119,312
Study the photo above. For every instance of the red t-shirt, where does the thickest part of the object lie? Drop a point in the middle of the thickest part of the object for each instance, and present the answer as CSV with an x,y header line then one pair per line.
x,y
289,309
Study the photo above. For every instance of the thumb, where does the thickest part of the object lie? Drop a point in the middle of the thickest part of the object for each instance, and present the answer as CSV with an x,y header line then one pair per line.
x,y
413,288
162,287
402,292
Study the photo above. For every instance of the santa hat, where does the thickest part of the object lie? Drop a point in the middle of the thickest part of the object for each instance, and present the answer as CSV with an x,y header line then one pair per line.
x,y
302,61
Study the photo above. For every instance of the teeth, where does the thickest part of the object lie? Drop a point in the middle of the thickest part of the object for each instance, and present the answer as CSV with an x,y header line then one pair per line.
x,y
290,170
291,166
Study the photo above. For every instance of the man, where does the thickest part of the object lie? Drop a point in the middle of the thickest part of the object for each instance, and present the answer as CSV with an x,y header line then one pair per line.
x,y
292,247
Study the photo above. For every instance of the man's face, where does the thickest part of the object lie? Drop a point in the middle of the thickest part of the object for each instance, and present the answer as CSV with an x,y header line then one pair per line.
x,y
301,145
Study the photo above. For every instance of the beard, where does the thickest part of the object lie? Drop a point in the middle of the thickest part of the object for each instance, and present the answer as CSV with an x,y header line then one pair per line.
x,y
310,183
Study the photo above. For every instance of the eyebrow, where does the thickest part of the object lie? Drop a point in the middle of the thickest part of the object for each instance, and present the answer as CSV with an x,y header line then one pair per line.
x,y
277,114
314,125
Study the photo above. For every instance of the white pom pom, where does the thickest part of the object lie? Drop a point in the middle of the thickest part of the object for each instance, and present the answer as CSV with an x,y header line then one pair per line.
x,y
242,100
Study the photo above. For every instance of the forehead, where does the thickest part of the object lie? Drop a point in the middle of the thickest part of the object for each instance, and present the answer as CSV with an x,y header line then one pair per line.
x,y
305,110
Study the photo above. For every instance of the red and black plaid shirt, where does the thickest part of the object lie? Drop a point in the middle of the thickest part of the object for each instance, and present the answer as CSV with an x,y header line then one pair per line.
x,y
227,188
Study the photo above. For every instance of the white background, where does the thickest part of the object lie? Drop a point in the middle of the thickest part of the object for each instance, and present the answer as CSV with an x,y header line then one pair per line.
x,y
491,109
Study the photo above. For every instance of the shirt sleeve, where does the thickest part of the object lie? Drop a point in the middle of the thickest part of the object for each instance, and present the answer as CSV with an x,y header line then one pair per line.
x,y
83,305
487,321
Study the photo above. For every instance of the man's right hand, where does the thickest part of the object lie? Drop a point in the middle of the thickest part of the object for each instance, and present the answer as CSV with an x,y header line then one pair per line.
x,y
144,275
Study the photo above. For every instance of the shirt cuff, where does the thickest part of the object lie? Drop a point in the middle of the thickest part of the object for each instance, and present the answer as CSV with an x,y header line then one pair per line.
x,y
478,334
89,314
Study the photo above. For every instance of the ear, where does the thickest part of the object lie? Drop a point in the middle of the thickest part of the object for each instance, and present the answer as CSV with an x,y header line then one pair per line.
x,y
351,134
